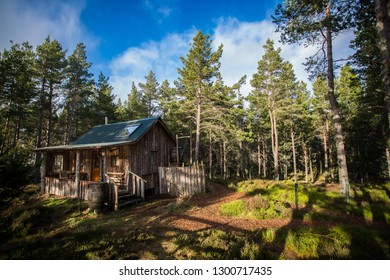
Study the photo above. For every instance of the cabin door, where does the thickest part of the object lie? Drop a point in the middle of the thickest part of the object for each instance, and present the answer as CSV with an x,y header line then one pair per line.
x,y
95,173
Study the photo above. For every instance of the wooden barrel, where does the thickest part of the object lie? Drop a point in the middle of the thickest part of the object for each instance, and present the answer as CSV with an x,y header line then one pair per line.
x,y
96,196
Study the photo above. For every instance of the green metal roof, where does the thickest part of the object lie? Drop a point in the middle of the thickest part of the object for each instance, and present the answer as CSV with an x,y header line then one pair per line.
x,y
111,134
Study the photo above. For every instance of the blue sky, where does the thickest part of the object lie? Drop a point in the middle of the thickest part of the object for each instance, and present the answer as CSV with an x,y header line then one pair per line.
x,y
127,39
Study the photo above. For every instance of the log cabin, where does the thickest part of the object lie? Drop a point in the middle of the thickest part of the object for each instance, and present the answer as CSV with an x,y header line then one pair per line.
x,y
125,155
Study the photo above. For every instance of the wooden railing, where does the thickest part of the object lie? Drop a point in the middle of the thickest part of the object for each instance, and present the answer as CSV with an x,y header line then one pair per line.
x,y
136,183
66,187
131,182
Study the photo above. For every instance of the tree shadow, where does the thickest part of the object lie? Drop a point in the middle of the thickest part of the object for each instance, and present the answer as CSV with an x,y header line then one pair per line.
x,y
149,231
346,237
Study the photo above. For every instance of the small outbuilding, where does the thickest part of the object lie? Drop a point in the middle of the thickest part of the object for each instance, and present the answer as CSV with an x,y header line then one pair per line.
x,y
124,155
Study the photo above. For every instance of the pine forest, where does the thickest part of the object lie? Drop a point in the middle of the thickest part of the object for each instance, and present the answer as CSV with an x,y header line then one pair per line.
x,y
336,129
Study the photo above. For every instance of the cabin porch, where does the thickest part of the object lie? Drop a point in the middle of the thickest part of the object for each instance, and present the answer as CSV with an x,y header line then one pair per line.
x,y
70,173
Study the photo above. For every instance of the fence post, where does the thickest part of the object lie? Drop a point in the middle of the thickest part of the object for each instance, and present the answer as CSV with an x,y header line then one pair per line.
x,y
142,189
115,197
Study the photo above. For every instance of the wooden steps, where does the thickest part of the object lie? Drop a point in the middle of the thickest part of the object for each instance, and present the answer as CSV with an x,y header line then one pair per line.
x,y
122,183
126,198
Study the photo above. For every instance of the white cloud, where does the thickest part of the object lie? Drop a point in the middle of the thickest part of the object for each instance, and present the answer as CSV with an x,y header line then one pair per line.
x,y
22,20
242,49
162,57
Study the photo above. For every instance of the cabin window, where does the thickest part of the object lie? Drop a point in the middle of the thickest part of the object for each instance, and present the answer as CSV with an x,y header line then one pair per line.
x,y
58,163
115,161
127,131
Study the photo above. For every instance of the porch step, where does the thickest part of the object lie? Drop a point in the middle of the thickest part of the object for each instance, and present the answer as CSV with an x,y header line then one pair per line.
x,y
126,198
129,202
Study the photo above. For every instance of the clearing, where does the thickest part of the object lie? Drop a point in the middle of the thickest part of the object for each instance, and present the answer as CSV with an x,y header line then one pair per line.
x,y
247,220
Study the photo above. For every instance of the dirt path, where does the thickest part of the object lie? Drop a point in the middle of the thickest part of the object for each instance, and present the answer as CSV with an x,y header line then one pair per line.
x,y
205,213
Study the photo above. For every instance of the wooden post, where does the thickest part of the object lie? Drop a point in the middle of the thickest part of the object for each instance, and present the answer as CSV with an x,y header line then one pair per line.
x,y
159,180
133,185
104,166
191,148
116,199
77,177
142,183
177,149
43,173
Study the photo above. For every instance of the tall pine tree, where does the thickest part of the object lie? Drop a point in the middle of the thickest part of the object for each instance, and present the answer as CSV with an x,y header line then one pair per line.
x,y
318,22
200,68
77,96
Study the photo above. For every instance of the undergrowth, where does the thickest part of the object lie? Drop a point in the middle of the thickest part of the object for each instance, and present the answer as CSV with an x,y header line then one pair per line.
x,y
323,226
269,199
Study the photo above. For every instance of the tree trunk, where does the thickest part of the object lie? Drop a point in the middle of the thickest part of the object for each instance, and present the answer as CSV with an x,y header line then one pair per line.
x,y
258,155
294,156
382,11
305,156
197,137
311,167
264,157
221,160
224,160
50,116
274,143
39,132
339,138
190,147
210,157
326,158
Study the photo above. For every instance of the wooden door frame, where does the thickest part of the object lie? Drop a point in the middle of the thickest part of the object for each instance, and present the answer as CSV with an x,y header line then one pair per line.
x,y
96,164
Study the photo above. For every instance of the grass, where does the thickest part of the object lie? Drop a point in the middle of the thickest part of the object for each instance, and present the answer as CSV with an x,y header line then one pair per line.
x,y
323,226
269,200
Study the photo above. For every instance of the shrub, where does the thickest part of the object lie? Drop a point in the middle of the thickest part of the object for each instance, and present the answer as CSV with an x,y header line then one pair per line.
x,y
257,202
15,171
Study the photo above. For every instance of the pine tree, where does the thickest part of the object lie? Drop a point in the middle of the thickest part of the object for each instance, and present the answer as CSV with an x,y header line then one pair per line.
x,y
368,62
78,91
271,84
318,22
322,123
103,102
200,67
49,65
150,94
135,107
17,92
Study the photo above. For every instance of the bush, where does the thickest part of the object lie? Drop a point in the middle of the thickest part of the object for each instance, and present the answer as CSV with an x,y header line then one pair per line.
x,y
257,202
15,171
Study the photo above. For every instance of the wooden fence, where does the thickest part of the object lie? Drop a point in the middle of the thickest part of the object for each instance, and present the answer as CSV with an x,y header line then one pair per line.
x,y
66,187
182,181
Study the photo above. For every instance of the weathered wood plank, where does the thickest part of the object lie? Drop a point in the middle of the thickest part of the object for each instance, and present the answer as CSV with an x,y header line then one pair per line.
x,y
182,181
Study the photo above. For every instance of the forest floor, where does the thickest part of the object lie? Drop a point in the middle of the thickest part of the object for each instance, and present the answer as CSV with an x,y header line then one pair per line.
x,y
247,220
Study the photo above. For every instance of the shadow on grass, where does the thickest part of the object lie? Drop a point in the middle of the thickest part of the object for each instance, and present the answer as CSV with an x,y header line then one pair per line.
x,y
148,232
340,238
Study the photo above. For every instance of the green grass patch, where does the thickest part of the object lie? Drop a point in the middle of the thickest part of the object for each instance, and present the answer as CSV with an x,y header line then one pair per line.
x,y
235,208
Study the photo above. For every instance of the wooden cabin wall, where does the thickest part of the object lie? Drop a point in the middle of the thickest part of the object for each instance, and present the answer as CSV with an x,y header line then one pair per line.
x,y
150,152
